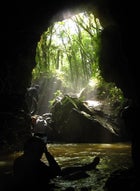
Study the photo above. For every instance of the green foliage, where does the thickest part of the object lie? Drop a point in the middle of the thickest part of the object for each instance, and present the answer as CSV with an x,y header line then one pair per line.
x,y
69,49
57,94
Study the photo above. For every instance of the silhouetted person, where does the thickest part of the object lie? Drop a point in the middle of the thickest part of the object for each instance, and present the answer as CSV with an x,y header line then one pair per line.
x,y
33,91
30,171
32,97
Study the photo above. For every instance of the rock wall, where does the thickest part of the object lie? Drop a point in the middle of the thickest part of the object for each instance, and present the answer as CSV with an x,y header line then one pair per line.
x,y
21,27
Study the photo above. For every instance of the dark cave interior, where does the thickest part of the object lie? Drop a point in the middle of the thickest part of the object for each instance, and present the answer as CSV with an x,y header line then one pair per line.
x,y
21,27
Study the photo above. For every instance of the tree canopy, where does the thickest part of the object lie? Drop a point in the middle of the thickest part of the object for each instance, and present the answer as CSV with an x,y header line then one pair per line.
x,y
69,50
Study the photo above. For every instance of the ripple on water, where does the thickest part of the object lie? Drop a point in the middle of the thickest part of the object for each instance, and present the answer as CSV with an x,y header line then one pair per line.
x,y
112,157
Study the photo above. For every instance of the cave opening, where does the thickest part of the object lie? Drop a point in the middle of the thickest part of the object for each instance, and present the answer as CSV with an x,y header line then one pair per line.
x,y
27,64
67,62
68,66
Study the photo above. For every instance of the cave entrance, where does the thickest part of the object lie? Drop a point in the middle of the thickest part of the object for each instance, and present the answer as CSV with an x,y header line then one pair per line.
x,y
67,62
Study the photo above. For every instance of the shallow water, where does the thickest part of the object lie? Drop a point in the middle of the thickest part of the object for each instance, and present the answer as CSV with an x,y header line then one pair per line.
x,y
112,157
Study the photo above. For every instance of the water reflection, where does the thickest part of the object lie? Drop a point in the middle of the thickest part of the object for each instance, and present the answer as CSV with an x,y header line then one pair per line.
x,y
112,157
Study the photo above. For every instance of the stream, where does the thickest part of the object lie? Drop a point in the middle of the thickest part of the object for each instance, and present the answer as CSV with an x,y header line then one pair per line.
x,y
112,157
